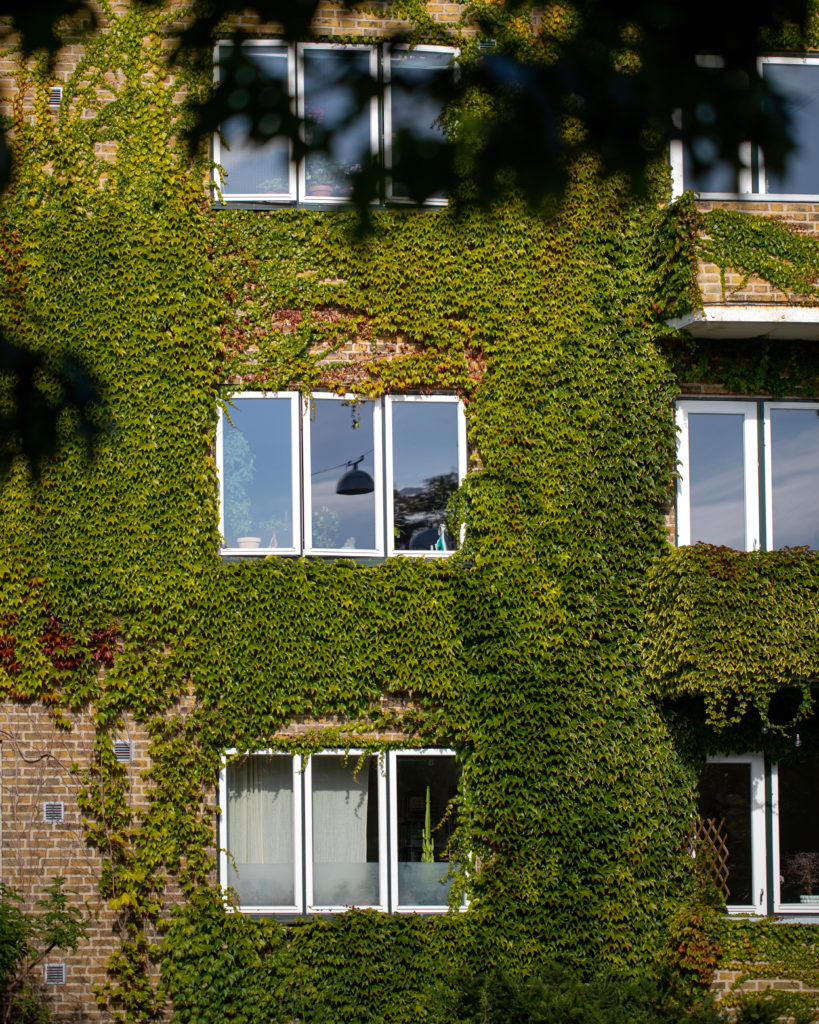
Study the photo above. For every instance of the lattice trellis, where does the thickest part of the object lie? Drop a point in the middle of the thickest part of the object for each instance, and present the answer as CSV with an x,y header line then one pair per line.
x,y
709,847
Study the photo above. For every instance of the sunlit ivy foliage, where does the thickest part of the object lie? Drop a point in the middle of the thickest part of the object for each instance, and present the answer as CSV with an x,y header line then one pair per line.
x,y
523,652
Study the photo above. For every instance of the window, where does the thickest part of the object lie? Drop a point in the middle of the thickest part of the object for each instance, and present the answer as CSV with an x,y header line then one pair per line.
x,y
798,79
732,803
339,830
732,797
321,81
338,476
748,474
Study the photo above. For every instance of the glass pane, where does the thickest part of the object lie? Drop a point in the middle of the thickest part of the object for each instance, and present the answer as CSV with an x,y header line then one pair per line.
x,y
425,473
341,442
330,78
717,478
345,832
800,83
260,831
257,169
725,799
258,474
418,80
720,177
795,476
799,833
425,786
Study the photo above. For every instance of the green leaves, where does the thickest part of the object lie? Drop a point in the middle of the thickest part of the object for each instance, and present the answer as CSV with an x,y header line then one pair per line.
x,y
734,628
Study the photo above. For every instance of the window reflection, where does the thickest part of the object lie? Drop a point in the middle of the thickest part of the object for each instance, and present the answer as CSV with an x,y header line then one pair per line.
x,y
425,473
258,474
717,479
418,81
330,104
341,434
725,799
800,84
425,786
795,477
258,169
799,833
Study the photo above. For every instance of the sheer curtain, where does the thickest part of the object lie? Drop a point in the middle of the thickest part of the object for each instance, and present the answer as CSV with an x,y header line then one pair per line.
x,y
341,808
260,830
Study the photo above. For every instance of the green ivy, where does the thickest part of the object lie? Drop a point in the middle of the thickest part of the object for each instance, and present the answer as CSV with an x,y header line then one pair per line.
x,y
734,628
525,652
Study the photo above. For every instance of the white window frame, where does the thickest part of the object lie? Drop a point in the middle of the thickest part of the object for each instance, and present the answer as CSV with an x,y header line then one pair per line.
x,y
303,835
300,470
745,190
390,401
295,473
766,427
302,107
792,197
454,52
378,479
778,906
392,773
759,867
383,892
380,120
223,187
298,815
750,438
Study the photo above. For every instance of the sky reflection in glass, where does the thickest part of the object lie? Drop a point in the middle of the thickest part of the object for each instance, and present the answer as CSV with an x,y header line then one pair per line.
x,y
717,481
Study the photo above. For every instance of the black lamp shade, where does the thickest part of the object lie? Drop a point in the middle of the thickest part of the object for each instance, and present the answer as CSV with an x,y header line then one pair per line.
x,y
355,481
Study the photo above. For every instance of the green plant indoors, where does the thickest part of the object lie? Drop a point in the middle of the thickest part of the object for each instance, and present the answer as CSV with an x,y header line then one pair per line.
x,y
523,652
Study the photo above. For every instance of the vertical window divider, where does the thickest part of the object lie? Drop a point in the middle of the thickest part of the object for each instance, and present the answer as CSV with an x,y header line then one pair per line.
x,y
763,449
771,862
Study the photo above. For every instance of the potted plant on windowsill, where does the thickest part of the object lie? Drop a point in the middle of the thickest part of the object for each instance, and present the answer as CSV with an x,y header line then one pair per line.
x,y
326,177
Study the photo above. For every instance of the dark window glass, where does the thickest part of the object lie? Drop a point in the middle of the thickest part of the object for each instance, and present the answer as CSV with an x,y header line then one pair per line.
x,y
720,177
725,799
257,169
258,474
418,81
800,83
799,833
795,476
717,479
341,435
338,118
425,473
260,831
425,786
345,832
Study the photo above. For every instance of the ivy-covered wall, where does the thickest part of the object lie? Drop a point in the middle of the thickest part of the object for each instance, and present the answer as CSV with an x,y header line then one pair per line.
x,y
524,652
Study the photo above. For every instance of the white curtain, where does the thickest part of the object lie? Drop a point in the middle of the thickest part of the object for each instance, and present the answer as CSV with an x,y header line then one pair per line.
x,y
260,810
340,800
260,830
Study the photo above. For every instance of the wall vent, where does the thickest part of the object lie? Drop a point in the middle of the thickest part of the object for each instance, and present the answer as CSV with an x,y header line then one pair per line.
x,y
53,810
124,751
55,974
55,96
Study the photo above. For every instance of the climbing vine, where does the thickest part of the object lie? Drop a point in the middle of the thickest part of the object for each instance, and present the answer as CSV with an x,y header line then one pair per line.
x,y
525,652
